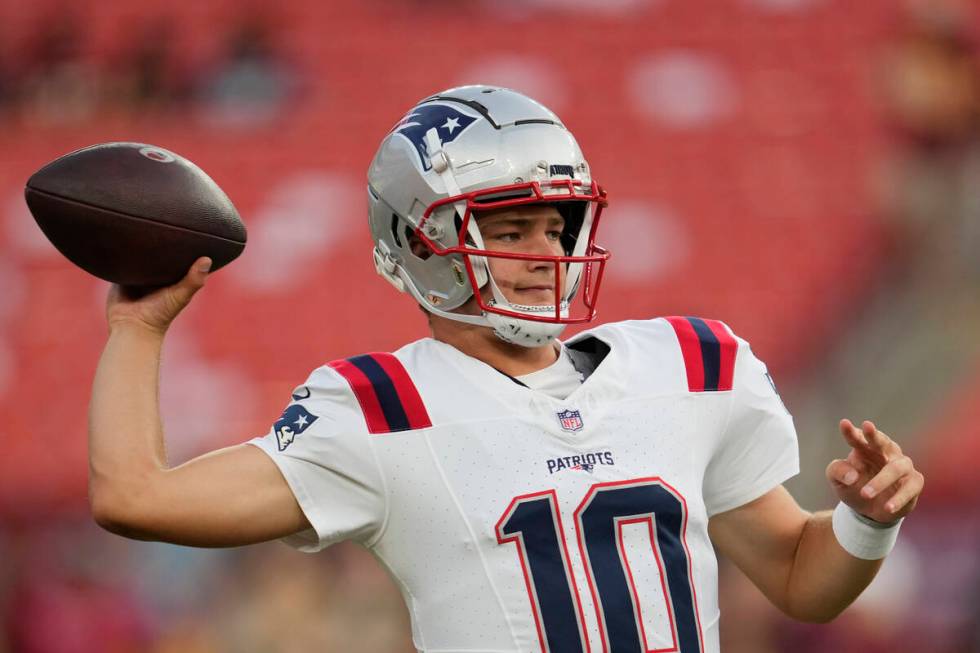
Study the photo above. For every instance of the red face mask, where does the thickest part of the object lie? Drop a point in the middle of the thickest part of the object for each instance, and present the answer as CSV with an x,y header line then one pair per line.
x,y
581,266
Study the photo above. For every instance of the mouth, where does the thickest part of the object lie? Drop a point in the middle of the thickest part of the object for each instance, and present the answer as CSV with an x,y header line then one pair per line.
x,y
538,294
544,287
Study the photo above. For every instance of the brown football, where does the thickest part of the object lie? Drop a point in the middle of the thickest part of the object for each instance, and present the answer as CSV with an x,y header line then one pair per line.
x,y
134,214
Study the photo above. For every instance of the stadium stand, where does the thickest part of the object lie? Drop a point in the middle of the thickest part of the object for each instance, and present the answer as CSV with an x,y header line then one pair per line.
x,y
742,143
767,196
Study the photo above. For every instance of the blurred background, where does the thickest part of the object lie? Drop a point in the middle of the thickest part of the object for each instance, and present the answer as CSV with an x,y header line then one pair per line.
x,y
806,170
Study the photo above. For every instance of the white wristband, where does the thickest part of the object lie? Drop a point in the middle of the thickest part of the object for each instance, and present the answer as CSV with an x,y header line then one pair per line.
x,y
862,537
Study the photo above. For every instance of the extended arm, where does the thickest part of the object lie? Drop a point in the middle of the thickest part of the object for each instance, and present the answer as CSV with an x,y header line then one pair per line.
x,y
228,497
793,556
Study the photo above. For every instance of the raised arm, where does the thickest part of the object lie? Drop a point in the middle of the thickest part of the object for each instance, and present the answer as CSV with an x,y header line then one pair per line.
x,y
229,497
796,558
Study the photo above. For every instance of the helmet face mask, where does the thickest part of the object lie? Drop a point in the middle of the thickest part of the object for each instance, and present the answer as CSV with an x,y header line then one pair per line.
x,y
581,265
478,149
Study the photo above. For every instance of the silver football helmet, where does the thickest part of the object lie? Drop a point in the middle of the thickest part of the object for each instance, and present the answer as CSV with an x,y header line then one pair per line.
x,y
477,148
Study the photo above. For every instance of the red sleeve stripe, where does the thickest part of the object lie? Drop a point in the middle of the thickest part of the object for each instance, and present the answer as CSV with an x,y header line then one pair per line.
x,y
370,406
709,353
691,350
388,398
411,400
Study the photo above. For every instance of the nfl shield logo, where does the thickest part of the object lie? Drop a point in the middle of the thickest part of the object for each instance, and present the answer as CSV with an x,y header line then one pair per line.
x,y
571,420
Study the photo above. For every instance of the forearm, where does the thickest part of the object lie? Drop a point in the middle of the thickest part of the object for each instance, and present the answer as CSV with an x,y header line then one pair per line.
x,y
228,497
824,578
126,445
795,557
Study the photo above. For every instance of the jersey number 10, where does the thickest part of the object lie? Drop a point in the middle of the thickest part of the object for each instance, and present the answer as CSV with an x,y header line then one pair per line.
x,y
533,523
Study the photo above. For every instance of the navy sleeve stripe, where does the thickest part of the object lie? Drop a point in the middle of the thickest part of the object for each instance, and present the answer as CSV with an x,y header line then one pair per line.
x,y
384,389
710,352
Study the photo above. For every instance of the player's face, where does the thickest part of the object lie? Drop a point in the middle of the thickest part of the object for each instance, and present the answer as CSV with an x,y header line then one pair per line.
x,y
529,229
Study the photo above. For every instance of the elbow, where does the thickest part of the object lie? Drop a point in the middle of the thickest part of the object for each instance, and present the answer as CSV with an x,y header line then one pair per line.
x,y
819,618
820,614
107,509
114,510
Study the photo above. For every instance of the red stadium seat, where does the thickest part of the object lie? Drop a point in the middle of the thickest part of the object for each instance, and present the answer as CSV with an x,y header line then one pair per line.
x,y
768,193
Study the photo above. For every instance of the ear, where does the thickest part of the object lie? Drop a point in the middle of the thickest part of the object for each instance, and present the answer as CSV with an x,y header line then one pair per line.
x,y
418,246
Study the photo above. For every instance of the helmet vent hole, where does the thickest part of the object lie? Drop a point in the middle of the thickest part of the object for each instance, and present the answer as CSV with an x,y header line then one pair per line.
x,y
394,229
574,215
417,246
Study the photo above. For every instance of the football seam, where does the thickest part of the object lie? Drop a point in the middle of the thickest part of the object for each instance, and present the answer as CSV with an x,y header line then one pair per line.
x,y
134,217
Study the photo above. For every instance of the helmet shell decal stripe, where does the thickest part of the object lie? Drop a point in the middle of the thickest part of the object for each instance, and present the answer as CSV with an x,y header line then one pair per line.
x,y
448,121
709,353
388,398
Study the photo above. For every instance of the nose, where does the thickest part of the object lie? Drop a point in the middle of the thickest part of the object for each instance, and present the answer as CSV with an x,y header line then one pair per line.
x,y
540,242
542,245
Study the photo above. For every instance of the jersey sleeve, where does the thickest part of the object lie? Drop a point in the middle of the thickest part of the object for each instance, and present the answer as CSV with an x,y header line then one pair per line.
x,y
757,449
321,447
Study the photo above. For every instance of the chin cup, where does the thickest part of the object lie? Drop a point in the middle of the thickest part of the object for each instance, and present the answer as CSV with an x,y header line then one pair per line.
x,y
526,333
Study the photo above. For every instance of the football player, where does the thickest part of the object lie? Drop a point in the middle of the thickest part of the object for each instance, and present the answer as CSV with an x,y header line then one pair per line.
x,y
526,493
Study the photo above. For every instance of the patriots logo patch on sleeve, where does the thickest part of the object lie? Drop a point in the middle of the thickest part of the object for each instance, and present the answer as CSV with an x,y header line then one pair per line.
x,y
294,420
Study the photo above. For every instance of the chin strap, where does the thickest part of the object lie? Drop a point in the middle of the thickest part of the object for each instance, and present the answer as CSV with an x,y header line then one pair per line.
x,y
516,331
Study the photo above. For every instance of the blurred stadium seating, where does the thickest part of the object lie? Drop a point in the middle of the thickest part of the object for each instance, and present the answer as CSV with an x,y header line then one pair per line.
x,y
746,183
740,141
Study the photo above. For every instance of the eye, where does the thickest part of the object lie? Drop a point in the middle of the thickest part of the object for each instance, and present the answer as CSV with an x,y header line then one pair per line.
x,y
506,236
554,235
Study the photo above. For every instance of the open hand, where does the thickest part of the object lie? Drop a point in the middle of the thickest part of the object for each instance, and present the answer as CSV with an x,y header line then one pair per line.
x,y
876,479
157,309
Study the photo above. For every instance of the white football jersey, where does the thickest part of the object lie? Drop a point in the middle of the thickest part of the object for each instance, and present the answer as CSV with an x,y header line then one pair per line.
x,y
514,521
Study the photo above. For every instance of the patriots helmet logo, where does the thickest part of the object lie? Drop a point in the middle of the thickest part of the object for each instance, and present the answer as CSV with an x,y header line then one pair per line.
x,y
294,420
448,121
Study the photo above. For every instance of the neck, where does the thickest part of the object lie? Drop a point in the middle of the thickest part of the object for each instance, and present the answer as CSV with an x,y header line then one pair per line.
x,y
482,344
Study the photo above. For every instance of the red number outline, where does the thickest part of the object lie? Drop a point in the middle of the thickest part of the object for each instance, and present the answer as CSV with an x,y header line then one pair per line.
x,y
518,540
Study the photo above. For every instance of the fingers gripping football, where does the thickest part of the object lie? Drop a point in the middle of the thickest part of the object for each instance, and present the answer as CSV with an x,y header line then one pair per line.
x,y
157,309
876,479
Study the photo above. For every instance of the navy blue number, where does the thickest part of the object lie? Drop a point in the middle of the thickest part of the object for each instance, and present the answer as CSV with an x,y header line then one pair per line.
x,y
533,523
600,518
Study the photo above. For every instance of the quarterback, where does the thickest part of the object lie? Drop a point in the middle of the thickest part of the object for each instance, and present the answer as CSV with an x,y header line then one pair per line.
x,y
526,493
